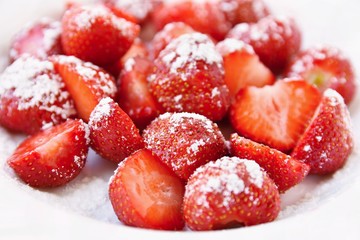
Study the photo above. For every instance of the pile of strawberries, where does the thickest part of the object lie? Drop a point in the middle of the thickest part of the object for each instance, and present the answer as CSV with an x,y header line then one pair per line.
x,y
93,80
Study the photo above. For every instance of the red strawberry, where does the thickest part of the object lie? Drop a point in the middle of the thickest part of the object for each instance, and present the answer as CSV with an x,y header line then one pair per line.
x,y
52,157
285,171
169,32
275,115
188,77
134,96
33,96
184,141
227,192
327,142
242,66
87,83
113,135
93,33
145,193
39,39
274,39
325,67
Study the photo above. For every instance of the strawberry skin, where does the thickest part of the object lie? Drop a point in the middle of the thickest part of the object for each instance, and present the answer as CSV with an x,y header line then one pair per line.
x,y
275,115
145,193
327,142
285,171
227,192
112,133
52,157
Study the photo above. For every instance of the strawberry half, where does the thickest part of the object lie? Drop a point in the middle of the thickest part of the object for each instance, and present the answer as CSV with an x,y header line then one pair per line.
x,y
52,157
145,193
227,192
112,133
327,142
285,171
242,66
275,115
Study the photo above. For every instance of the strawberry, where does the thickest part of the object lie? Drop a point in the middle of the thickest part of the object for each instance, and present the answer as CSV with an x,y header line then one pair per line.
x,y
39,39
33,96
134,96
242,66
189,77
86,82
275,115
145,193
52,157
112,133
227,192
327,141
325,67
274,39
184,141
94,34
285,171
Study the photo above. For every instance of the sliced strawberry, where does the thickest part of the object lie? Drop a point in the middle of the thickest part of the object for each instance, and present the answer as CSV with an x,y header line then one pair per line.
x,y
285,171
242,66
274,39
134,96
112,133
327,142
189,77
275,115
184,141
52,157
227,192
33,96
87,83
145,193
325,67
95,34
39,39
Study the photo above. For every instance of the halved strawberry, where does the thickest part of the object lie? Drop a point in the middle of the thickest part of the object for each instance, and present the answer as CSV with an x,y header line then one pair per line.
x,y
327,142
145,193
86,82
325,67
275,115
242,66
285,171
112,133
52,157
227,192
95,34
134,95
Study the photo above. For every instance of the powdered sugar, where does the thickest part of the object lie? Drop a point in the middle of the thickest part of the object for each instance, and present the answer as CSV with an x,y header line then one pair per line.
x,y
101,112
137,8
231,45
129,64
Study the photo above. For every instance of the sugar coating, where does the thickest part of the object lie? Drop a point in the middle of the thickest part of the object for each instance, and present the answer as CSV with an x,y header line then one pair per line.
x,y
102,111
137,8
231,45
129,64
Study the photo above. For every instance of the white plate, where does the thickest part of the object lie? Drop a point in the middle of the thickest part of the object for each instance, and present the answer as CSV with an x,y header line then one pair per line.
x,y
319,207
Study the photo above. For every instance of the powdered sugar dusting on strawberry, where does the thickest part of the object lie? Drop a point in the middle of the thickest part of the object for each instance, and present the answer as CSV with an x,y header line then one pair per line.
x,y
85,128
231,45
254,170
138,8
100,112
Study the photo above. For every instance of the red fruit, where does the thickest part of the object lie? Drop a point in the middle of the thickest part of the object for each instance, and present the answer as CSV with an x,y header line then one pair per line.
x,y
134,96
227,192
166,35
242,66
285,171
274,39
52,157
87,83
203,16
112,133
145,193
325,67
188,77
184,141
93,33
238,11
33,96
327,141
275,115
39,39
